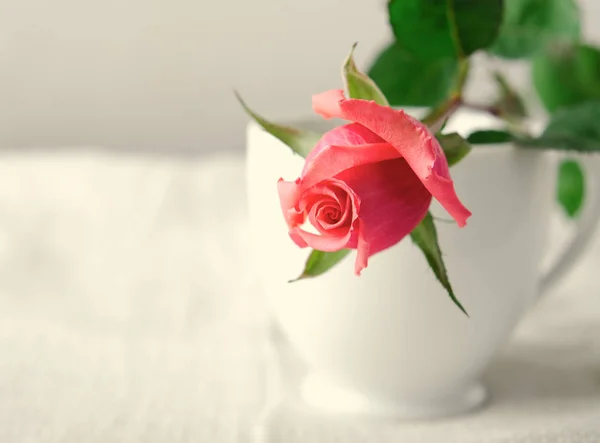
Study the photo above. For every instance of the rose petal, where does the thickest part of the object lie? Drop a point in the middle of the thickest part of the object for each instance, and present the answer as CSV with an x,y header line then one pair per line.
x,y
344,216
332,160
326,243
298,239
410,137
326,228
289,193
351,134
327,104
295,203
393,201
321,193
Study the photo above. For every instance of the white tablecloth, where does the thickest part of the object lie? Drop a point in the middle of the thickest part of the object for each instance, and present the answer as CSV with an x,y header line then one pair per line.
x,y
129,313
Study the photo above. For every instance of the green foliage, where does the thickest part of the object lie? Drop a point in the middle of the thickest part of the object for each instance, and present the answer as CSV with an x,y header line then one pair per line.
x,y
575,128
571,187
509,105
301,142
425,237
358,84
320,262
489,137
565,76
529,26
407,80
433,29
455,147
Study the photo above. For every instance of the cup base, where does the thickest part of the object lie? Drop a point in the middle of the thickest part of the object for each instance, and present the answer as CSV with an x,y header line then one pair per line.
x,y
320,393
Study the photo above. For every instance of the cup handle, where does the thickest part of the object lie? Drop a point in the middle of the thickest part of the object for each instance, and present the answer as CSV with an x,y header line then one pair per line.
x,y
585,226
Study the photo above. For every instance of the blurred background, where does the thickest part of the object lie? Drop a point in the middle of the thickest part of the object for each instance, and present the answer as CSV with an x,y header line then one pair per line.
x,y
158,75
128,309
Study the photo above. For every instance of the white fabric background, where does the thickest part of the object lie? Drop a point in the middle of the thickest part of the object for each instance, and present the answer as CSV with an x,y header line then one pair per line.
x,y
129,313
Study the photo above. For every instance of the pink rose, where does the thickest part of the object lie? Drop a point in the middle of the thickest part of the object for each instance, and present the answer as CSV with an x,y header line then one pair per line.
x,y
368,184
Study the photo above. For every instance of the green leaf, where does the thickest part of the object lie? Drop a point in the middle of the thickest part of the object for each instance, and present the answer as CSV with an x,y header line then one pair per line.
x,y
489,137
320,262
455,147
438,116
530,25
576,128
358,84
425,237
565,76
432,29
510,105
301,142
406,80
571,187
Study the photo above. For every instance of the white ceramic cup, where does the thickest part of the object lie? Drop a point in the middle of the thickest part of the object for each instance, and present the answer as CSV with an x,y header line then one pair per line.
x,y
392,336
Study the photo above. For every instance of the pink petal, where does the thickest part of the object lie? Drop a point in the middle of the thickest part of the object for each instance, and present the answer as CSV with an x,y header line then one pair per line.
x,y
298,239
411,138
323,220
393,201
416,144
351,134
319,197
325,243
326,104
327,191
331,160
331,188
295,204
289,194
